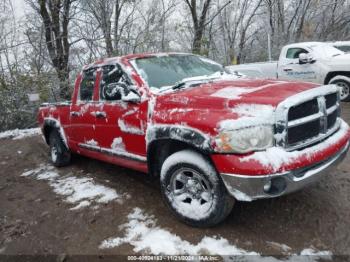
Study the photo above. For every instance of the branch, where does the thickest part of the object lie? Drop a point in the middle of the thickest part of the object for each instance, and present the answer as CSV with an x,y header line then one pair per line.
x,y
217,13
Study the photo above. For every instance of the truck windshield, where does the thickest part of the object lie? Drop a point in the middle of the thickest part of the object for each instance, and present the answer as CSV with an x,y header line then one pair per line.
x,y
344,48
326,50
167,70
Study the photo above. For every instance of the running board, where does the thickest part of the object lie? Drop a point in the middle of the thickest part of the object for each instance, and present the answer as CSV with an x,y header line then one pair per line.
x,y
112,152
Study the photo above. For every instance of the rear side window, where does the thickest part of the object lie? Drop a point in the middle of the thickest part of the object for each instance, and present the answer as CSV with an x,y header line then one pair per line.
x,y
87,84
293,53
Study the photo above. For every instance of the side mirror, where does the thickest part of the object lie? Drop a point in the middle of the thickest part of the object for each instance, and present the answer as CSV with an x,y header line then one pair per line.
x,y
306,59
303,58
113,91
121,91
132,97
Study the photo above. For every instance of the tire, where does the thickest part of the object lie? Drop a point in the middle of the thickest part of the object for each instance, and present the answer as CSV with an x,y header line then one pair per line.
x,y
193,191
344,83
60,155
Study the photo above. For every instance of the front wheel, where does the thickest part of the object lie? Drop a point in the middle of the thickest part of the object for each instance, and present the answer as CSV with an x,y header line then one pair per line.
x,y
193,190
344,83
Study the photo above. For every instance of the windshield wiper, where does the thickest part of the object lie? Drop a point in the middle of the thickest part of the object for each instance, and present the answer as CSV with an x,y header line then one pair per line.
x,y
197,80
183,84
178,85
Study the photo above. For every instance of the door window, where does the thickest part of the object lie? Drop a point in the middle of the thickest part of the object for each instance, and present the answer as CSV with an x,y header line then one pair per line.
x,y
114,83
293,53
87,85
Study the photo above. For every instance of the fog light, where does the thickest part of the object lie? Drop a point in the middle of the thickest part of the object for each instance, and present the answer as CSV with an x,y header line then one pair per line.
x,y
275,186
267,186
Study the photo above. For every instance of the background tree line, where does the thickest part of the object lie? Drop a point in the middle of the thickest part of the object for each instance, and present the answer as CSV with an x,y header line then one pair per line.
x,y
42,51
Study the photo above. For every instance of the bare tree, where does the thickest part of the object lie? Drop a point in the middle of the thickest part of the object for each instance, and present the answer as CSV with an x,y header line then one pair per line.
x,y
200,20
102,11
56,15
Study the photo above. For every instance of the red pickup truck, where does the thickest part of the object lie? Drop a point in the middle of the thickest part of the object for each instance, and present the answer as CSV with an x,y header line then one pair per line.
x,y
210,137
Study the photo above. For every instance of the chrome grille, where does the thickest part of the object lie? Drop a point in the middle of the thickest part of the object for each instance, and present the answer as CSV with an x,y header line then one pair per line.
x,y
307,117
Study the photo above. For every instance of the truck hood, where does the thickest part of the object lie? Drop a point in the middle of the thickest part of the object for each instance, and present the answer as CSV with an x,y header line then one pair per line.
x,y
228,93
340,60
205,106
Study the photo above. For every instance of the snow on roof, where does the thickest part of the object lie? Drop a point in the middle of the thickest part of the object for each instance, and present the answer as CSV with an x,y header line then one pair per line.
x,y
306,44
116,59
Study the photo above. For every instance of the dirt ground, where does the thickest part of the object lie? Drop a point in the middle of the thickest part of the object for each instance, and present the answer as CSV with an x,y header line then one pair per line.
x,y
35,220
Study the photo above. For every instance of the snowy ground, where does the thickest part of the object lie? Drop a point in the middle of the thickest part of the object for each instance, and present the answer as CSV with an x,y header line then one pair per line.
x,y
144,235
95,208
82,192
20,133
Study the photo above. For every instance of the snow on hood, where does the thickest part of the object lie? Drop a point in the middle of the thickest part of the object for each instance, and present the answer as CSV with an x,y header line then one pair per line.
x,y
223,93
250,115
207,106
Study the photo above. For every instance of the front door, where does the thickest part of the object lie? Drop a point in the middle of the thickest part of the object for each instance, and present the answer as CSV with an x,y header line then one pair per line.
x,y
120,126
289,67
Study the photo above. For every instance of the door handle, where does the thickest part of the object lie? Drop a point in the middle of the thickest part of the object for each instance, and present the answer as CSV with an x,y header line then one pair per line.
x,y
287,69
100,114
74,113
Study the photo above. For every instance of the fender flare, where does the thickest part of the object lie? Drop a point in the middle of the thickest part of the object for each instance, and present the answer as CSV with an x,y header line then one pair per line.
x,y
188,135
161,137
340,77
50,122
332,74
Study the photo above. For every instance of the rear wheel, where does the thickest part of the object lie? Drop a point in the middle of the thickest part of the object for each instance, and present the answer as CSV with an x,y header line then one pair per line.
x,y
344,84
60,155
193,190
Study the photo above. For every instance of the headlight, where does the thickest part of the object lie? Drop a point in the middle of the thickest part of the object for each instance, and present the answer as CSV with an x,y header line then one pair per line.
x,y
245,140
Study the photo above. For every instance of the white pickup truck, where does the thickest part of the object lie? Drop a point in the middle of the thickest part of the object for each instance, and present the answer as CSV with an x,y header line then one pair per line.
x,y
342,45
323,63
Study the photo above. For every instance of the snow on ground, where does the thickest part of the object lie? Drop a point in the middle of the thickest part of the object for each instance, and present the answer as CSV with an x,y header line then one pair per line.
x,y
145,236
20,133
81,192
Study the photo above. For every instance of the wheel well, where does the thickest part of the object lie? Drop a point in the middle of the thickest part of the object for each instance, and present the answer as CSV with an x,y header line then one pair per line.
x,y
47,130
159,150
330,75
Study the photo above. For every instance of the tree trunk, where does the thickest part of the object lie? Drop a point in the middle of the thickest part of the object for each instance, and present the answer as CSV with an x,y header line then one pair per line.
x,y
56,16
197,42
63,76
199,23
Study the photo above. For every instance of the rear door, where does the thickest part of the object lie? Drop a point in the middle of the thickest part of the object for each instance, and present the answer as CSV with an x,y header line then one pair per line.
x,y
82,118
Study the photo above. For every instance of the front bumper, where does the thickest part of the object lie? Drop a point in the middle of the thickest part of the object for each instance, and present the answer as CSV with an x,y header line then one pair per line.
x,y
248,188
276,172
